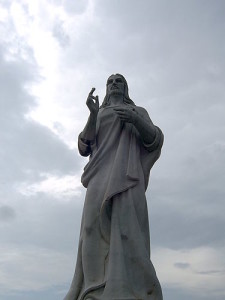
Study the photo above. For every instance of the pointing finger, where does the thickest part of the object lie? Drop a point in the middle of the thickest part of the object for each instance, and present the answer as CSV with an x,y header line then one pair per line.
x,y
96,99
92,91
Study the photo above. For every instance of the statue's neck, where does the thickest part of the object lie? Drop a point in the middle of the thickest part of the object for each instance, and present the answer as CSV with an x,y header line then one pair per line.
x,y
116,100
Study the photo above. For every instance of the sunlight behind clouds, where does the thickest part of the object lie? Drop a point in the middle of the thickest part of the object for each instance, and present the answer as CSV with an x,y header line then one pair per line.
x,y
44,26
58,187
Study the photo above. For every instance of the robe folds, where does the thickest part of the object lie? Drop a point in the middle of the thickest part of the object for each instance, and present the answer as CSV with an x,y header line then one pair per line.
x,y
113,260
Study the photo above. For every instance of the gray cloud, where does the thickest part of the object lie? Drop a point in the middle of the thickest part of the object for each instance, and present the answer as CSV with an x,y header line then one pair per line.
x,y
180,230
187,199
75,7
43,222
162,35
13,77
72,7
172,293
211,272
181,265
7,213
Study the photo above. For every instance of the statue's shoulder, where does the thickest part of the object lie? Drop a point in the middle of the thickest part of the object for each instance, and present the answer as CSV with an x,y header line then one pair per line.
x,y
141,110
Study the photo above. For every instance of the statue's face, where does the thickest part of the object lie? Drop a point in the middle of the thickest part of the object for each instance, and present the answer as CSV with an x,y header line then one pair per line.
x,y
115,85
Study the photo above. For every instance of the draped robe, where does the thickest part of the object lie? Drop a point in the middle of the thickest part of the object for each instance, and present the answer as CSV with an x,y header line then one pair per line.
x,y
113,260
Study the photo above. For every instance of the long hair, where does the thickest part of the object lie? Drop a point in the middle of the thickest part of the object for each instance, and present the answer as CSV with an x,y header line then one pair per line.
x,y
126,97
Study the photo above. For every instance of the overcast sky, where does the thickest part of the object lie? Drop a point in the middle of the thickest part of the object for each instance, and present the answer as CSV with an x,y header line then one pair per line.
x,y
51,54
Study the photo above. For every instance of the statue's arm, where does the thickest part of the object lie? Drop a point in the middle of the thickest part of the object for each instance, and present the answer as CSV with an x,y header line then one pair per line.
x,y
88,133
87,136
139,117
145,127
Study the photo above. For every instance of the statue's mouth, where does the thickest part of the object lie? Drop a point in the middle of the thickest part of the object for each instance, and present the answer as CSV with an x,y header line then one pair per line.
x,y
114,87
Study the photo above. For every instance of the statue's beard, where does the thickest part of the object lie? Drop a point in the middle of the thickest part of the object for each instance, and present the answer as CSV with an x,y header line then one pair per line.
x,y
116,92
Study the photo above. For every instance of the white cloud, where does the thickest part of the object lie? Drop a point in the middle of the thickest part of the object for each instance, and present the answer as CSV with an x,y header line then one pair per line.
x,y
58,187
3,14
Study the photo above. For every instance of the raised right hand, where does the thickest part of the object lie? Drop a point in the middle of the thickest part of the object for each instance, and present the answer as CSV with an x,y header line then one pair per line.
x,y
92,102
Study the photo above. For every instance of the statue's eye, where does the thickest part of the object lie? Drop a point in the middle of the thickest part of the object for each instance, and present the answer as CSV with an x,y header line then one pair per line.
x,y
109,81
119,80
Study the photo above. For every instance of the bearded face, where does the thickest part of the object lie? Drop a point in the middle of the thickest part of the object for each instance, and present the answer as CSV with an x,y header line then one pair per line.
x,y
115,85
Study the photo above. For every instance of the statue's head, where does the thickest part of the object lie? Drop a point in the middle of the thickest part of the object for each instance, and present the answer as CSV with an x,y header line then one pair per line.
x,y
117,86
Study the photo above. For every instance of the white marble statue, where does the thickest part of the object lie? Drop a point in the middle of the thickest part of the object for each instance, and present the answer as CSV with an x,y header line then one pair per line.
x,y
113,261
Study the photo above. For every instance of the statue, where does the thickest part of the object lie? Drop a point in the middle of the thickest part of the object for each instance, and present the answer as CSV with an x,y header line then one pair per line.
x,y
113,260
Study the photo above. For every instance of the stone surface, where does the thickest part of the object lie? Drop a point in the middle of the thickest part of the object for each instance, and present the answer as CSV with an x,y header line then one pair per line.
x,y
122,143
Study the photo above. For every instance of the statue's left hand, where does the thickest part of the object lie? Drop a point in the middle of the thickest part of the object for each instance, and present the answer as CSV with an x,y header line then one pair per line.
x,y
128,115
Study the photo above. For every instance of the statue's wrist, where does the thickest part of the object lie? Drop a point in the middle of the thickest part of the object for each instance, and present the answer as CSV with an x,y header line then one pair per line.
x,y
93,115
